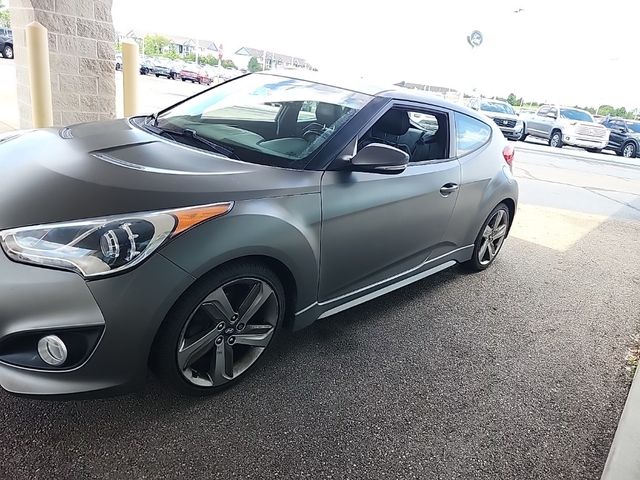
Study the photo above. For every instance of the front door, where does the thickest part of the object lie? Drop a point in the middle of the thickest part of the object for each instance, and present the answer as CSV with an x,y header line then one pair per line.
x,y
376,226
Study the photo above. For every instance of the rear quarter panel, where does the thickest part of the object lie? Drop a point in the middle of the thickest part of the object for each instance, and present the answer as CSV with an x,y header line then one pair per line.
x,y
486,180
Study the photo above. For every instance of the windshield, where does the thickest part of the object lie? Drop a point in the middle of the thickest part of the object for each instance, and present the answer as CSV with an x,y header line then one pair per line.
x,y
267,119
497,107
578,115
634,126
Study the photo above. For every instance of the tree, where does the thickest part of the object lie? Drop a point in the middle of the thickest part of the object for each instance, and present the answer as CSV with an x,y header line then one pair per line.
x,y
228,64
155,44
5,17
171,54
254,65
209,60
512,99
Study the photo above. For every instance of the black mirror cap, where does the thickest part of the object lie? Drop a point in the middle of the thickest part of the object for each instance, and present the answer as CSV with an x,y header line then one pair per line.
x,y
380,158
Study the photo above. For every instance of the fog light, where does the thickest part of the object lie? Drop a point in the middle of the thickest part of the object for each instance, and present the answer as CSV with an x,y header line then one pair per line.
x,y
52,350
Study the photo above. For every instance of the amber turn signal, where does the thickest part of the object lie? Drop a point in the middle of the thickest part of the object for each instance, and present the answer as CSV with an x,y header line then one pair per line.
x,y
190,217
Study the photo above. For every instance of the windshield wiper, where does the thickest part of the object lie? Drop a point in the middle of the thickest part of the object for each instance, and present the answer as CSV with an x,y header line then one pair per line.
x,y
192,134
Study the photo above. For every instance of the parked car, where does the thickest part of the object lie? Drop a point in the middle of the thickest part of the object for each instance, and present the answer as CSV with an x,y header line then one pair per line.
x,y
6,42
187,239
118,61
195,74
566,126
146,66
624,138
502,113
175,68
161,69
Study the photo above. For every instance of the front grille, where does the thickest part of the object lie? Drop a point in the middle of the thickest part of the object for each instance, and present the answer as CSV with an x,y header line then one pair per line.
x,y
505,122
598,132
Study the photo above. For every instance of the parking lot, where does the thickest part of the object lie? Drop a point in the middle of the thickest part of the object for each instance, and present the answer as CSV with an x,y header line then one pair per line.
x,y
513,373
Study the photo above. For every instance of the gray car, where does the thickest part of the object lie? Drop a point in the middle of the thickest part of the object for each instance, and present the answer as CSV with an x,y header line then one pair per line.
x,y
187,239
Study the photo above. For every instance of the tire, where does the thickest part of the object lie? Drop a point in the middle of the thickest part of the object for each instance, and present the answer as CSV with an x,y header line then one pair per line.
x,y
555,140
629,150
524,134
480,259
7,52
197,312
594,150
184,79
157,75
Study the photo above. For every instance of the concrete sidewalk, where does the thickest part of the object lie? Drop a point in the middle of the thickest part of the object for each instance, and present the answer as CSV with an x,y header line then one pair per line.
x,y
623,462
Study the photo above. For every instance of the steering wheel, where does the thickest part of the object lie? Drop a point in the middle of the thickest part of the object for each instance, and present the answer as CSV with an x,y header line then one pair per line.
x,y
313,131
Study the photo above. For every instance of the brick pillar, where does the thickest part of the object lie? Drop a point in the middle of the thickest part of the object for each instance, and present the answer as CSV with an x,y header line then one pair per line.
x,y
82,58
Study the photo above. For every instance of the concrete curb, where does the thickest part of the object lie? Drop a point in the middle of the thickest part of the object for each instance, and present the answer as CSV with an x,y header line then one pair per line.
x,y
623,462
577,156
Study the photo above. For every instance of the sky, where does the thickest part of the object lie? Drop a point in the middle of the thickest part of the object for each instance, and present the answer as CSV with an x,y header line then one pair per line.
x,y
564,51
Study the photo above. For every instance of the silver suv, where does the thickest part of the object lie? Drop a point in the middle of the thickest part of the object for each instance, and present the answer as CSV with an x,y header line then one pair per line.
x,y
566,126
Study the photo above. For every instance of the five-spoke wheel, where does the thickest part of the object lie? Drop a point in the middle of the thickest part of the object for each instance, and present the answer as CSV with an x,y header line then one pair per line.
x,y
220,330
490,239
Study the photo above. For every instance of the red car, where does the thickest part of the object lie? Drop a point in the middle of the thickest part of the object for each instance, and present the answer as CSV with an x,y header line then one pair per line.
x,y
194,74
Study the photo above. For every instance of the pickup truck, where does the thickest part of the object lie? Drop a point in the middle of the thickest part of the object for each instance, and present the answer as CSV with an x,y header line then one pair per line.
x,y
565,126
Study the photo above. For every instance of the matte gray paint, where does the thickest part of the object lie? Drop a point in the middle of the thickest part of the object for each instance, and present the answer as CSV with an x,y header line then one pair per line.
x,y
344,236
375,226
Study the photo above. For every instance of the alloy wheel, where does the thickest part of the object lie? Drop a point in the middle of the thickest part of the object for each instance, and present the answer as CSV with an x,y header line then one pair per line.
x,y
8,52
555,140
629,151
492,237
227,332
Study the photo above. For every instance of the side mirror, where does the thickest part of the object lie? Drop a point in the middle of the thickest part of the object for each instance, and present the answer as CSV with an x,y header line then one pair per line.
x,y
621,130
551,115
380,158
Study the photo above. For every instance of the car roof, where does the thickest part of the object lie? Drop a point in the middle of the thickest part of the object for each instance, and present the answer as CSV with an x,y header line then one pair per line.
x,y
375,90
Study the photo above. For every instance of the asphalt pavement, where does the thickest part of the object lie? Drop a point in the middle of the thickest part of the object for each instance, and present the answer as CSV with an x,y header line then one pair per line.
x,y
513,373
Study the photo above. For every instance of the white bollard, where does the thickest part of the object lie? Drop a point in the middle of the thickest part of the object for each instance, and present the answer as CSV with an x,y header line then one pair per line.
x,y
39,75
130,77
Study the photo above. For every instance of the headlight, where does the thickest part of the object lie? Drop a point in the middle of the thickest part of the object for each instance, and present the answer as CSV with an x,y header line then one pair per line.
x,y
98,247
519,126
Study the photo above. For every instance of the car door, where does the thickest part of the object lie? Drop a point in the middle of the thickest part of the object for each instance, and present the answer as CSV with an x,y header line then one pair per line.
x,y
376,226
535,125
548,122
618,133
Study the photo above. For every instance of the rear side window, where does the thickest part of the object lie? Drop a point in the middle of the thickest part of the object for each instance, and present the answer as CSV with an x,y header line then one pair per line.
x,y
471,134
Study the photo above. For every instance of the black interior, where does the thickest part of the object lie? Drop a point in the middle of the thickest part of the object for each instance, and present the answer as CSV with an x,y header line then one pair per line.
x,y
421,142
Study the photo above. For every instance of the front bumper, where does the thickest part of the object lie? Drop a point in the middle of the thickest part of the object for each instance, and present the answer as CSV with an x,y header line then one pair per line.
x,y
129,308
584,142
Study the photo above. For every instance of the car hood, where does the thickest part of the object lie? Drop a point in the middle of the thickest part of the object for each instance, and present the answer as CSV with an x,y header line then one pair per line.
x,y
106,168
500,115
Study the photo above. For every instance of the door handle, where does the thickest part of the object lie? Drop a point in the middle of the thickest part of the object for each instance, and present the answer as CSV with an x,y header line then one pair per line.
x,y
448,188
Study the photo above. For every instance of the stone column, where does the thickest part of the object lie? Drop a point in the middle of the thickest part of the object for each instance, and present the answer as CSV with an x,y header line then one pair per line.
x,y
81,55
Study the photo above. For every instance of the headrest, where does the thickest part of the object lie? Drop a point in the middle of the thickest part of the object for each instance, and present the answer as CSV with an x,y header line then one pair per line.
x,y
328,113
394,122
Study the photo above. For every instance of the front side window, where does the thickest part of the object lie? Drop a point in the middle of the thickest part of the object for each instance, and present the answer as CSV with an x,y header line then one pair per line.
x,y
543,111
633,126
423,135
471,134
257,117
578,115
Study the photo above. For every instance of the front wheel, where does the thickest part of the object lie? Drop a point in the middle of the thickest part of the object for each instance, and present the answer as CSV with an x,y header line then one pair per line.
x,y
556,139
490,239
7,52
629,150
219,329
523,135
